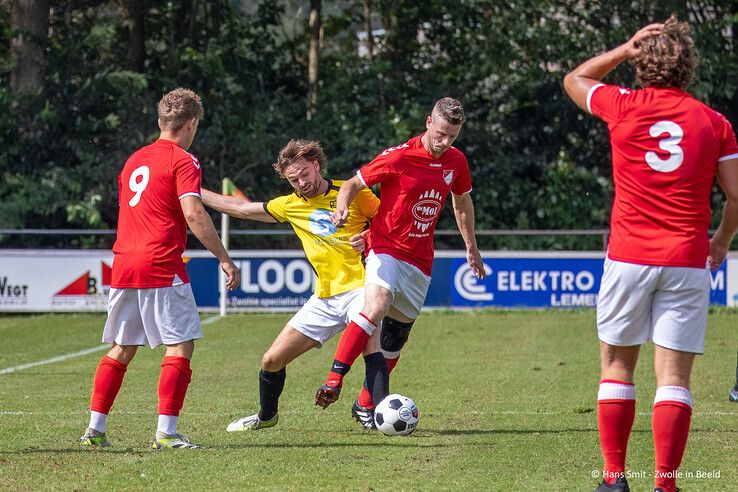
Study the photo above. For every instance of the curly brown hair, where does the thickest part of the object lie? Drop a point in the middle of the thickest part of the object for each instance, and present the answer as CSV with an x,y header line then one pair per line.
x,y
667,59
295,149
177,107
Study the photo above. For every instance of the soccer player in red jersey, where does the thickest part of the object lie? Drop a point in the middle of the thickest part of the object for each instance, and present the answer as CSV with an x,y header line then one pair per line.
x,y
151,300
667,149
415,179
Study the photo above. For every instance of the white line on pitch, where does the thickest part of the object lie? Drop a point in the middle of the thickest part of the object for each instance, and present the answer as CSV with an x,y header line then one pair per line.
x,y
58,358
71,355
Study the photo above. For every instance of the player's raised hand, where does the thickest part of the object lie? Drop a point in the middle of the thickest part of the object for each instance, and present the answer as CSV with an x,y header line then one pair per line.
x,y
339,217
232,272
358,241
474,258
632,47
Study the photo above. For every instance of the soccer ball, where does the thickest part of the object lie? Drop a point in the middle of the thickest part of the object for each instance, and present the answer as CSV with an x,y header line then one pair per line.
x,y
396,415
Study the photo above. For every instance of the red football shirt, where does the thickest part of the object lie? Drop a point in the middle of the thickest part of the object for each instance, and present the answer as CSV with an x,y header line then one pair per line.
x,y
666,146
413,187
152,231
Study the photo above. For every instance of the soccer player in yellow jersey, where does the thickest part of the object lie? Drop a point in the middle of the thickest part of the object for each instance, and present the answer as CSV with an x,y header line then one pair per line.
x,y
339,291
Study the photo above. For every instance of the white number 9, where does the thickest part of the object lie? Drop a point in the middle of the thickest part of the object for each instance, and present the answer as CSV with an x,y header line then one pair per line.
x,y
137,186
670,144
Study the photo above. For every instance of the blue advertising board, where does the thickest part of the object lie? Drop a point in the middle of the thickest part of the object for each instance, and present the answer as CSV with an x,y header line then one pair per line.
x,y
283,281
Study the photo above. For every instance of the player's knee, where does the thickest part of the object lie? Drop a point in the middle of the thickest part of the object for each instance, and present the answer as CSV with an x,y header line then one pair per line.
x,y
394,336
272,362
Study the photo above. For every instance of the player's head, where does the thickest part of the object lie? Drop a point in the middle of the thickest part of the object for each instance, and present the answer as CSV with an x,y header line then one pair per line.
x,y
302,163
668,58
180,111
443,125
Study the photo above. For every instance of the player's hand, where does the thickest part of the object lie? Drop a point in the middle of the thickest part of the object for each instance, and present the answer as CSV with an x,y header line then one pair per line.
x,y
232,272
358,241
474,258
339,217
718,252
631,46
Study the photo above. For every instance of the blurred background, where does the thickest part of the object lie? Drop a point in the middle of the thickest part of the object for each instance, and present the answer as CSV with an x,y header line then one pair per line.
x,y
79,83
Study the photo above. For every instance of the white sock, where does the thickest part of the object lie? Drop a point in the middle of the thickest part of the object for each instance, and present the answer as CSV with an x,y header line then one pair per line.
x,y
167,424
98,421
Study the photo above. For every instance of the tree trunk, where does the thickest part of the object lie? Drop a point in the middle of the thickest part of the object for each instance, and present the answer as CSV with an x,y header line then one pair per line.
x,y
368,28
29,21
135,11
313,56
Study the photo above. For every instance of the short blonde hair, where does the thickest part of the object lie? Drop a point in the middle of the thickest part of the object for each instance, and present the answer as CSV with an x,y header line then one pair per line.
x,y
450,110
177,107
294,150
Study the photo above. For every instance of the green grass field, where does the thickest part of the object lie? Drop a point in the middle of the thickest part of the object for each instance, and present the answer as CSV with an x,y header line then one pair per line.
x,y
506,399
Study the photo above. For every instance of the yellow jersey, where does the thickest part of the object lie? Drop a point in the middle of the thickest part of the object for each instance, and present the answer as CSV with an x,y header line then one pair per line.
x,y
337,265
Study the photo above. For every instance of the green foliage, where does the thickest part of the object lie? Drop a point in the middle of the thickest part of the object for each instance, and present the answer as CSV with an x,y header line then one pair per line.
x,y
537,161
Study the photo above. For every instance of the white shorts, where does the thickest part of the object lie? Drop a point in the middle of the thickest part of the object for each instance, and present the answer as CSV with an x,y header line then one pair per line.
x,y
665,304
408,284
321,318
165,315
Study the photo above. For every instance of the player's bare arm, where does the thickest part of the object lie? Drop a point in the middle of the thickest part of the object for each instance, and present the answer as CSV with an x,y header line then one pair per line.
x,y
579,81
236,207
464,212
720,242
346,195
202,227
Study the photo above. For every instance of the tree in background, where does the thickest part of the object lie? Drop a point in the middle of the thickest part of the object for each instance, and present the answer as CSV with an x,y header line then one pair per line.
x,y
537,162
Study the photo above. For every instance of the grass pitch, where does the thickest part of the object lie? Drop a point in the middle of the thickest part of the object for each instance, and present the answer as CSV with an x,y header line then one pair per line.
x,y
507,402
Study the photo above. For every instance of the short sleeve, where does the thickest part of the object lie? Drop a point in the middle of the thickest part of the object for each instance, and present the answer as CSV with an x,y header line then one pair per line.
x,y
382,168
187,176
276,207
462,183
367,202
609,102
728,146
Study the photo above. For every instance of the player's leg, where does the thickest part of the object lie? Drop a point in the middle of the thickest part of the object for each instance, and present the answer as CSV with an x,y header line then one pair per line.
x,y
124,330
680,322
623,324
170,318
616,399
288,345
358,333
672,412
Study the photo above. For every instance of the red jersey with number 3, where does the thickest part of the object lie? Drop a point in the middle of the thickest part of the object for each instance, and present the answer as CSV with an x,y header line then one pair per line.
x,y
413,187
666,147
152,231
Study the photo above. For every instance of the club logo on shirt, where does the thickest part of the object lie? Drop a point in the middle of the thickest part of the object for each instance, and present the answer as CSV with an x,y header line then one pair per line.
x,y
320,223
427,209
448,176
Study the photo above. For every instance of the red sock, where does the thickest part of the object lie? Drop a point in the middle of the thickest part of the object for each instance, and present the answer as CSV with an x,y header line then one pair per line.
x,y
672,412
108,379
365,398
173,381
352,343
615,416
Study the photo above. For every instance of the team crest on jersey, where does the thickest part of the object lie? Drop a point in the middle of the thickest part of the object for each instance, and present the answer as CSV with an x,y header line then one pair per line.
x,y
320,223
427,209
448,176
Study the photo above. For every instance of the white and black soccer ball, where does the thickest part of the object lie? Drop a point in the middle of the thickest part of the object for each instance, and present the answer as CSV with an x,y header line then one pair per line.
x,y
396,415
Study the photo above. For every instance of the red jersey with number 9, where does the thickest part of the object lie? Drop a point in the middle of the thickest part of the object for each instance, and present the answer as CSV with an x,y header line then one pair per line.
x,y
152,230
666,146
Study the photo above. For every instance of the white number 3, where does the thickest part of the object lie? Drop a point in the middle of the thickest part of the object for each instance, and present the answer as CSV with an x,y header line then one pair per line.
x,y
138,186
670,144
